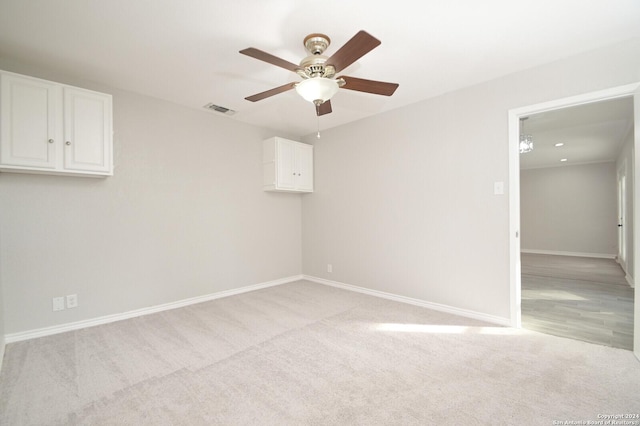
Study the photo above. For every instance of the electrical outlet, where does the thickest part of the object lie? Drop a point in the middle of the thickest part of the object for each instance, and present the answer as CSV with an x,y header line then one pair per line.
x,y
58,303
329,267
72,301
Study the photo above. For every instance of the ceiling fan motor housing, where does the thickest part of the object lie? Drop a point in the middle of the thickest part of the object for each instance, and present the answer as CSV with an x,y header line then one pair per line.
x,y
316,43
314,66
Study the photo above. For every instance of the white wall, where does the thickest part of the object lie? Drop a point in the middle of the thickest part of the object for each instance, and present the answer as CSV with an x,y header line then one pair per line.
x,y
404,201
570,209
183,216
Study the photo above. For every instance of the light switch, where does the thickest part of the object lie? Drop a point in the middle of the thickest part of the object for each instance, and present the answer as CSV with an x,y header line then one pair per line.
x,y
498,188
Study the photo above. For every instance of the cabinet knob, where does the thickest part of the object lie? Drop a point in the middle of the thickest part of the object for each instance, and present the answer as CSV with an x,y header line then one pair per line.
x,y
51,140
67,143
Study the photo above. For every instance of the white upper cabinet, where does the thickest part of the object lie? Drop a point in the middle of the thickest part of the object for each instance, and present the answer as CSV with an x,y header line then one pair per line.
x,y
51,128
287,165
304,165
87,129
28,122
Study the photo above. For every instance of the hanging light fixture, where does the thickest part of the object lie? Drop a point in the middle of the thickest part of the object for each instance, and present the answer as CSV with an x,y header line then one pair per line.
x,y
526,141
317,89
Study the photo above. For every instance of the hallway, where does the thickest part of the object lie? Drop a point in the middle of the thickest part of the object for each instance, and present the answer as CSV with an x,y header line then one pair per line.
x,y
581,298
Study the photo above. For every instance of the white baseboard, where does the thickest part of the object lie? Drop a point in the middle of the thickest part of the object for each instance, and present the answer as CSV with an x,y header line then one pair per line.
x,y
570,253
417,302
48,331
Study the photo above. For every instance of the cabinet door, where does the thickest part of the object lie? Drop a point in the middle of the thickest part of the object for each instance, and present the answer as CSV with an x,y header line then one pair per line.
x,y
28,128
304,167
87,131
286,157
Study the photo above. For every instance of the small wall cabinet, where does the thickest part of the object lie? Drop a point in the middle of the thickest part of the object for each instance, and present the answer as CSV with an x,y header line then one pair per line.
x,y
52,128
287,165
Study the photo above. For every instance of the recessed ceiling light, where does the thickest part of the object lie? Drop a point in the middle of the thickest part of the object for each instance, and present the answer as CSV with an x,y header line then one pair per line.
x,y
563,160
559,144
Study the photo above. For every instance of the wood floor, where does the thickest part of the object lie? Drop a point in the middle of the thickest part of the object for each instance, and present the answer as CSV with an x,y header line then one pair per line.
x,y
577,297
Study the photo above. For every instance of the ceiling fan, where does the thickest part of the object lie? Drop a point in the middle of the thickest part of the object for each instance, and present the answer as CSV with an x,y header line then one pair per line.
x,y
319,82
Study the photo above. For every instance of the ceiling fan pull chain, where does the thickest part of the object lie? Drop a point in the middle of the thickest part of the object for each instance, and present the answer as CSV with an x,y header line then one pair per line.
x,y
318,135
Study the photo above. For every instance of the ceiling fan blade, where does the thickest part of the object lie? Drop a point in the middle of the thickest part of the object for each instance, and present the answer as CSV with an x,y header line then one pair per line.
x,y
369,86
268,93
359,45
324,108
269,58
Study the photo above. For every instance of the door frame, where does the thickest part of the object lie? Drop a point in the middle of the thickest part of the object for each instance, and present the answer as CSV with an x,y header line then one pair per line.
x,y
514,116
621,186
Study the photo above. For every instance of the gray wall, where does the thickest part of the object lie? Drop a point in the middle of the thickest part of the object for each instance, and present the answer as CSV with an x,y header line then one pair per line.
x,y
570,209
183,216
404,201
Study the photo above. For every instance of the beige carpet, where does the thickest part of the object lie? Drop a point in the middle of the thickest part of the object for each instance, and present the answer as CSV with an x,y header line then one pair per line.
x,y
307,354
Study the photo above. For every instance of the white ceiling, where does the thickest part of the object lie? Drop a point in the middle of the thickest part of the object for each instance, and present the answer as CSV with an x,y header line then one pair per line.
x,y
187,51
590,133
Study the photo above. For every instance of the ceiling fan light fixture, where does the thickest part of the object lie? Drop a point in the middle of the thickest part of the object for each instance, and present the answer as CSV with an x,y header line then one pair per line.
x,y
526,144
317,90
526,141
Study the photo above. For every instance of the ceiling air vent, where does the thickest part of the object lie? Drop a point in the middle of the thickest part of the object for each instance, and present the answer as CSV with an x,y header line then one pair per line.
x,y
218,108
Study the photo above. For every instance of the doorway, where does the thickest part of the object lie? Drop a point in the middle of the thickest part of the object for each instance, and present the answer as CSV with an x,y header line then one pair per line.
x,y
622,215
514,189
